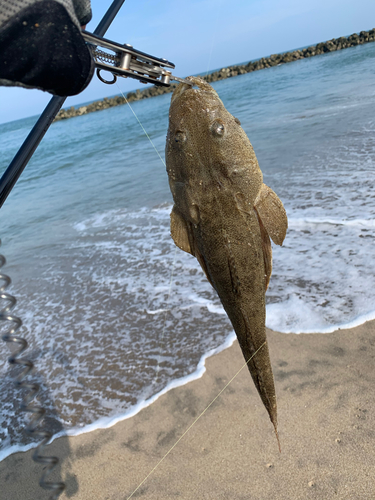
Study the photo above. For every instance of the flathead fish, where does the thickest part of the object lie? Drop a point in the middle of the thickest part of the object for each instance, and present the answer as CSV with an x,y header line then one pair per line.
x,y
224,215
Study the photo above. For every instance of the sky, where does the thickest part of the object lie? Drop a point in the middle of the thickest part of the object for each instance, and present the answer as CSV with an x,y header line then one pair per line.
x,y
204,35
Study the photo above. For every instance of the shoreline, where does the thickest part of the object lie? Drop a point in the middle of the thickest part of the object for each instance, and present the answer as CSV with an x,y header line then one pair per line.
x,y
239,69
326,420
103,423
108,422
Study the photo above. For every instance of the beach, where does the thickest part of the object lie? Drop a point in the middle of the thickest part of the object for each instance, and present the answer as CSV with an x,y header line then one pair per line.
x,y
326,412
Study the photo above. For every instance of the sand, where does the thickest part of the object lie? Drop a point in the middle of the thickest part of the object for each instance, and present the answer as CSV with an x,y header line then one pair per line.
x,y
326,399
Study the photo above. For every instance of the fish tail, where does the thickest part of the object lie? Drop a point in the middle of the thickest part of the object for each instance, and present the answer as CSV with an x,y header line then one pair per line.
x,y
261,372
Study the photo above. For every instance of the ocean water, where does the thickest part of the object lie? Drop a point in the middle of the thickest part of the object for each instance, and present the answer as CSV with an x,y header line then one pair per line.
x,y
113,312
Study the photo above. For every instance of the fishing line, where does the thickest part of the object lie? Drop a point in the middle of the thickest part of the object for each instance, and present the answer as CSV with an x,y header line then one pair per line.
x,y
164,326
148,137
196,420
175,250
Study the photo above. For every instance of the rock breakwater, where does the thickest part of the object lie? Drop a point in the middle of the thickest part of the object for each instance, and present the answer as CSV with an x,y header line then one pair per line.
x,y
265,62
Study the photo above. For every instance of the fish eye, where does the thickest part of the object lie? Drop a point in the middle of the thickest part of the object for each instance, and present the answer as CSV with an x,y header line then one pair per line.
x,y
217,128
179,136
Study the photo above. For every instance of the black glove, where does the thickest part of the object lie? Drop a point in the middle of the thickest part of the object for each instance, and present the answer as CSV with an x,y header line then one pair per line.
x,y
41,45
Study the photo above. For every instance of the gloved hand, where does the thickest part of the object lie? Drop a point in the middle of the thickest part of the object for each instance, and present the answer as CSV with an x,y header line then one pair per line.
x,y
41,45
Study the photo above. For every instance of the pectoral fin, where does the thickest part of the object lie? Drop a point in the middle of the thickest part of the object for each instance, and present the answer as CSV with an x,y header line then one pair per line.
x,y
180,231
183,237
272,213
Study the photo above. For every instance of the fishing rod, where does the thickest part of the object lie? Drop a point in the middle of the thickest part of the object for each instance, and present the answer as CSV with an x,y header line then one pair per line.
x,y
32,141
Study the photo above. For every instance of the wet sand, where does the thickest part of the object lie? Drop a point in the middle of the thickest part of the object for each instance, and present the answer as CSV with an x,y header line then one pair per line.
x,y
326,398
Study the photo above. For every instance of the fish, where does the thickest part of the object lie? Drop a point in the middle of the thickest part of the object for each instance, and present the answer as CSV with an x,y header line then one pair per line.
x,y
224,215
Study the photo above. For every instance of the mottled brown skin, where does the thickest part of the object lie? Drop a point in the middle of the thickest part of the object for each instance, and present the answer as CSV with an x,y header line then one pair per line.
x,y
223,214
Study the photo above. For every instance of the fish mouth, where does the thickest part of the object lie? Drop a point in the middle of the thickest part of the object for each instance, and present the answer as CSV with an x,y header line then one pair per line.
x,y
197,82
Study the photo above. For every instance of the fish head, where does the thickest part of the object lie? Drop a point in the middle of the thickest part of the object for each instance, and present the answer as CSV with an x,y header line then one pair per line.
x,y
206,146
